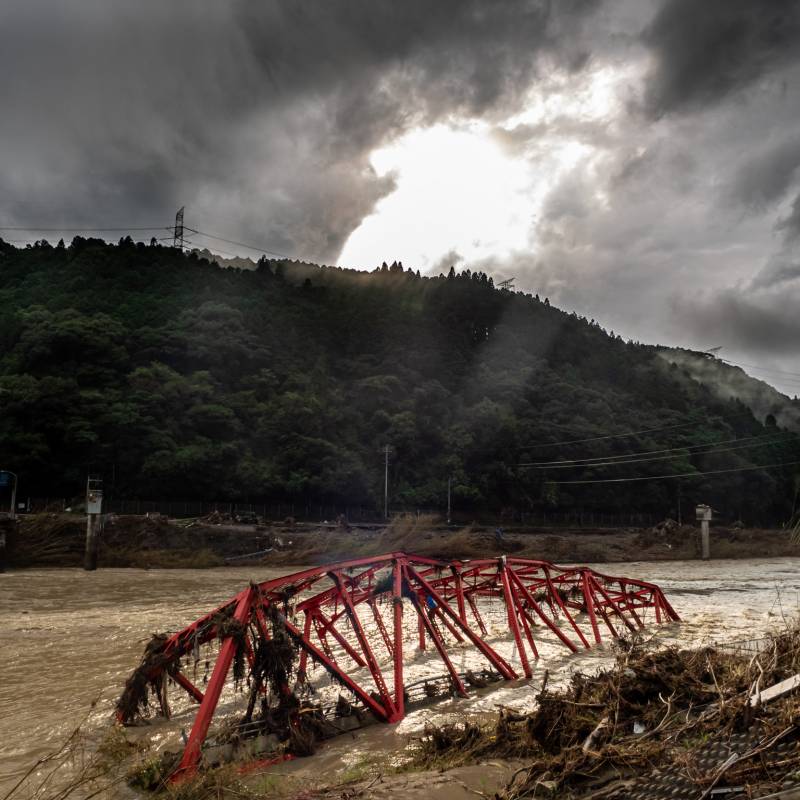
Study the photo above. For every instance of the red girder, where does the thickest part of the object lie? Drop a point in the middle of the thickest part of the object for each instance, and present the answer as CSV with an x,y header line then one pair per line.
x,y
535,598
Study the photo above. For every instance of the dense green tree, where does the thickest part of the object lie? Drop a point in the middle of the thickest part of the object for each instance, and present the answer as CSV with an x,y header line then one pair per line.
x,y
178,379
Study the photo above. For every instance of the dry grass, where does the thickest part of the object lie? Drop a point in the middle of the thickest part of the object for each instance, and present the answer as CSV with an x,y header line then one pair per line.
x,y
423,535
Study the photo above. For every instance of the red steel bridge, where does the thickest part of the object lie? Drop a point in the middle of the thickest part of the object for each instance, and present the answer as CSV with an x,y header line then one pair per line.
x,y
365,621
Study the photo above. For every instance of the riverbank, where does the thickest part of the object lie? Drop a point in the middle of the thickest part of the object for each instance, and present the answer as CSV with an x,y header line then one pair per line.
x,y
94,626
57,540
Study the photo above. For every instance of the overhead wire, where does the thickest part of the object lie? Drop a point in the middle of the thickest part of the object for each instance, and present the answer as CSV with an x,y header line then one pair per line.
x,y
760,369
633,433
614,435
778,379
529,446
662,457
677,475
82,228
240,244
591,461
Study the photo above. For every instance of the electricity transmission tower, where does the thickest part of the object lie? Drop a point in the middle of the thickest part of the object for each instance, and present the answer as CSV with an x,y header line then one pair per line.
x,y
177,238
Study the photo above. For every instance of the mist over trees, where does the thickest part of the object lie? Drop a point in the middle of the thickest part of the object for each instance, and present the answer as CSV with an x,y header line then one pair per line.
x,y
177,379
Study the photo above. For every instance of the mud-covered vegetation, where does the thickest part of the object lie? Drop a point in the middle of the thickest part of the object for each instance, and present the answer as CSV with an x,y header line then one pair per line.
x,y
49,540
177,379
605,734
267,672
59,540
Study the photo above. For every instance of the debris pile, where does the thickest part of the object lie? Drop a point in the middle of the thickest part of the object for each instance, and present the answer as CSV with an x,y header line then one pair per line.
x,y
145,680
667,723
51,540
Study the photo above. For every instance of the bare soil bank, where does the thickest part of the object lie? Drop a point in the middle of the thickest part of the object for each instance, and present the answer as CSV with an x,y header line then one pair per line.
x,y
57,540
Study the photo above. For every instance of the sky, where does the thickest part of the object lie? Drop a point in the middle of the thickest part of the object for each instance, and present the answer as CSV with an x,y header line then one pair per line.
x,y
636,161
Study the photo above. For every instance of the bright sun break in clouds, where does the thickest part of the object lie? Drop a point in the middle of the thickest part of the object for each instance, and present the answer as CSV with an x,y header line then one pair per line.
x,y
460,190
456,189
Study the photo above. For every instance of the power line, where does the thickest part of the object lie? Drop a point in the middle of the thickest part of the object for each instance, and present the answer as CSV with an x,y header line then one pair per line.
x,y
661,458
632,433
170,229
217,252
771,378
523,447
761,369
81,228
589,461
679,475
775,379
240,244
615,435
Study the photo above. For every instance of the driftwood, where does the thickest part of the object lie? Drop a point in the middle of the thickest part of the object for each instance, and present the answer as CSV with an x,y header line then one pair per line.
x,y
588,740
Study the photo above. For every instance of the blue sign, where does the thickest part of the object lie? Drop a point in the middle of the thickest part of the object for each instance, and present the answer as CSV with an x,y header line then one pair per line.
x,y
5,478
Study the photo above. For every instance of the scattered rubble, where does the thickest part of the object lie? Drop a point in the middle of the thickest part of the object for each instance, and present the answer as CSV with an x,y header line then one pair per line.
x,y
58,539
660,724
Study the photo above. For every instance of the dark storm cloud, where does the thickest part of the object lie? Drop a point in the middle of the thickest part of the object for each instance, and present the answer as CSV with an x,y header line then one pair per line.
x,y
790,224
767,175
259,116
680,225
708,50
781,272
761,324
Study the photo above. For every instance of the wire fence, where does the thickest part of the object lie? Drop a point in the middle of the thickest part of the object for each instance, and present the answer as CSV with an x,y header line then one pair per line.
x,y
321,512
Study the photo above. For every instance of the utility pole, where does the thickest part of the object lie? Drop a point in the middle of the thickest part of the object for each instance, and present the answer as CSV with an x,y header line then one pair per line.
x,y
386,482
449,484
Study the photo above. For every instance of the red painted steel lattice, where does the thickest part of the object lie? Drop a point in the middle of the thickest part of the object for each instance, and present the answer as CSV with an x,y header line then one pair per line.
x,y
335,615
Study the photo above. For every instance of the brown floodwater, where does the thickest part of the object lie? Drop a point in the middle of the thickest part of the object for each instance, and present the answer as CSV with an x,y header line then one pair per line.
x,y
68,638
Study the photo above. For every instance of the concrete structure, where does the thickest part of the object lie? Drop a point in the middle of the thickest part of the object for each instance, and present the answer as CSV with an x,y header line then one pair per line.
x,y
704,515
94,508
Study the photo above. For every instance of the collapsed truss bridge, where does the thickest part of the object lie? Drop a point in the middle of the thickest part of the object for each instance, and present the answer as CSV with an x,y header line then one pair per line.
x,y
369,625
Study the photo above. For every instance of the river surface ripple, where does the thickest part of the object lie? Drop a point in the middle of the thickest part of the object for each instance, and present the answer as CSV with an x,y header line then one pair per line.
x,y
68,637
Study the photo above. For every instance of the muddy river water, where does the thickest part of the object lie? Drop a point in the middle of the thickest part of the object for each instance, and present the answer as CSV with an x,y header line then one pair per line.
x,y
68,638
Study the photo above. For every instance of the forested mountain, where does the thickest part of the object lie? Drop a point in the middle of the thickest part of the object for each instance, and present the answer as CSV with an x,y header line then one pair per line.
x,y
178,379
729,380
